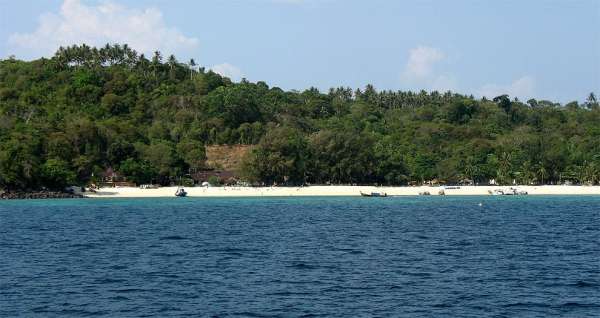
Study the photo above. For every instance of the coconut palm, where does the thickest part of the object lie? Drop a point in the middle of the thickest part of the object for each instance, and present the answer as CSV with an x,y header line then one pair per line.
x,y
156,62
526,173
542,172
192,68
471,170
172,61
504,167
590,172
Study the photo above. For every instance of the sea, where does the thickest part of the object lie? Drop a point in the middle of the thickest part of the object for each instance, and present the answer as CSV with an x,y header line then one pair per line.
x,y
488,256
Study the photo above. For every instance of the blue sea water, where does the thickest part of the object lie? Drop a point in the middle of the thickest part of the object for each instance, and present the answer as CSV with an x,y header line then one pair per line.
x,y
301,257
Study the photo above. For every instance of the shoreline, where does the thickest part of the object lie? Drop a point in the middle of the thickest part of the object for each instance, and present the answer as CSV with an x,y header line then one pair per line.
x,y
308,191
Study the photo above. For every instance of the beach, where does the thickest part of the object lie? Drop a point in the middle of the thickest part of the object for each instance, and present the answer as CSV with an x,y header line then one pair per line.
x,y
131,192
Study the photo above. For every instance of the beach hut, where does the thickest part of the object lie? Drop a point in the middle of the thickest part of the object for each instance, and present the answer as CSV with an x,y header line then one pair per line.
x,y
111,178
466,182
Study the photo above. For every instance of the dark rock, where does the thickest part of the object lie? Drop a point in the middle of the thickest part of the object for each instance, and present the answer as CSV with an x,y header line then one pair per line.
x,y
44,194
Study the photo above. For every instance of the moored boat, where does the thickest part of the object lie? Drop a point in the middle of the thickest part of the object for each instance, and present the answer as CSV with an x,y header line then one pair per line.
x,y
510,191
180,192
373,194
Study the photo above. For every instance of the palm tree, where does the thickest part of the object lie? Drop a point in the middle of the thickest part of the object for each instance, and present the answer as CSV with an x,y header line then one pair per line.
x,y
542,172
131,56
156,61
591,101
192,68
172,62
143,64
590,172
526,172
505,165
471,170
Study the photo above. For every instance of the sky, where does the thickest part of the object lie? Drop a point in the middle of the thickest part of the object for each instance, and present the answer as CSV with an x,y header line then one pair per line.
x,y
543,49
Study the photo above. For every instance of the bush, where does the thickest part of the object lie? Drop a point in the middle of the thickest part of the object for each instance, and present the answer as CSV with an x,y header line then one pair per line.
x,y
187,182
214,181
138,171
56,174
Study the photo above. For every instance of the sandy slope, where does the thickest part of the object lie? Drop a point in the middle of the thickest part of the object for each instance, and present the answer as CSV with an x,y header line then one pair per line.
x,y
331,191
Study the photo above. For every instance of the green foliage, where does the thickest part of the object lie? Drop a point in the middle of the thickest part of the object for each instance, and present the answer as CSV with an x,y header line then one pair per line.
x,y
138,171
186,182
214,181
70,117
279,158
162,157
19,162
57,174
192,152
342,157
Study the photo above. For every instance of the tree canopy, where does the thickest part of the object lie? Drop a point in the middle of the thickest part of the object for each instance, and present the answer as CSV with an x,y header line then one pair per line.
x,y
67,118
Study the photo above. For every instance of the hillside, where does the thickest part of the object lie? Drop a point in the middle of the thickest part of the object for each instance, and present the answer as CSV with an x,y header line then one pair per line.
x,y
86,111
226,157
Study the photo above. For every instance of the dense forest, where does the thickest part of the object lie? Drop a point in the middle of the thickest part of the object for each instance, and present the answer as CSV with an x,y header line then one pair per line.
x,y
66,119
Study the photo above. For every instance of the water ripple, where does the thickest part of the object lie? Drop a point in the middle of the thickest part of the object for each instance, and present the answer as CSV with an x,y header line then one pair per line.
x,y
301,257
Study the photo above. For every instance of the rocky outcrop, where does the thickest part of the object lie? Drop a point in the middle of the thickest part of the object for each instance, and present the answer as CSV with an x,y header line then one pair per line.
x,y
38,195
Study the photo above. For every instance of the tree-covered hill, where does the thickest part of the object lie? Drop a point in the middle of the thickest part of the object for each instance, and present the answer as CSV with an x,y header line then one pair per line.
x,y
68,118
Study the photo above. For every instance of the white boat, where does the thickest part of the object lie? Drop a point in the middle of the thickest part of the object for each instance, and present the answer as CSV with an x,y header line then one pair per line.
x,y
510,191
519,192
180,192
373,194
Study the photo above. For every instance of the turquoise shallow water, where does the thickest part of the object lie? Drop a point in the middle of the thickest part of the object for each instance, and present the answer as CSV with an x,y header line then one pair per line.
x,y
301,257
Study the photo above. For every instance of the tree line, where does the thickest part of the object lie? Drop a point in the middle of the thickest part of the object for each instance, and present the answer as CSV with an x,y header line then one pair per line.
x,y
66,119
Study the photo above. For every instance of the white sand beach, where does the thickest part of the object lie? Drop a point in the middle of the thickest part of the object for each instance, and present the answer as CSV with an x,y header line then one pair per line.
x,y
130,192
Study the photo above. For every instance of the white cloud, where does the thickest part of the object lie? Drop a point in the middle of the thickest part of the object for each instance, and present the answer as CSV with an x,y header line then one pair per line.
x,y
76,23
421,61
228,70
420,70
522,88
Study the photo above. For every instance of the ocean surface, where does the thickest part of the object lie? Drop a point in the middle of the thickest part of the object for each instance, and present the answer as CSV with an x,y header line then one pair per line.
x,y
301,257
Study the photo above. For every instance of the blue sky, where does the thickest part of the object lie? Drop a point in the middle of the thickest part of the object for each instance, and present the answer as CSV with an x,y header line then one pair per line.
x,y
546,49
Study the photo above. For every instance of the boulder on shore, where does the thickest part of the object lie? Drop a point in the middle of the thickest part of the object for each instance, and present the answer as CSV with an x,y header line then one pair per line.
x,y
38,195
